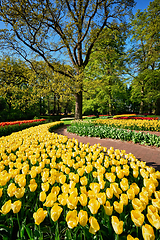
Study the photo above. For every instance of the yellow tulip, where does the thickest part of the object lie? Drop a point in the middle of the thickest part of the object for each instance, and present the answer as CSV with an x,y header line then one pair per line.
x,y
6,207
45,186
83,199
113,169
93,205
126,171
138,204
83,180
65,188
152,187
156,203
94,226
19,193
116,189
117,225
25,169
50,200
118,207
16,206
76,178
95,187
72,201
109,193
33,173
94,174
130,194
80,171
39,216
152,210
88,168
153,216
91,194
120,174
129,237
22,181
124,199
83,190
157,194
56,212
62,198
101,198
108,208
110,177
67,170
83,217
137,217
124,184
144,173
135,173
33,186
1,192
144,198
42,196
11,189
135,187
72,219
148,232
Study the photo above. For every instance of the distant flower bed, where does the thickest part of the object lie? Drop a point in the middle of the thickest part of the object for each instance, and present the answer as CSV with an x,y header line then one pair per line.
x,y
124,115
20,122
137,118
132,124
105,116
7,128
52,187
67,119
89,117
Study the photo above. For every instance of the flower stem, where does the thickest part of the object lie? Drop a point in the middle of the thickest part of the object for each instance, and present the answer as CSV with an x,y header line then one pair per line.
x,y
19,226
137,231
117,237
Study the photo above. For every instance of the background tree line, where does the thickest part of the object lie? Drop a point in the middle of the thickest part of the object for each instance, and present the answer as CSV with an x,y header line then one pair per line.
x,y
114,65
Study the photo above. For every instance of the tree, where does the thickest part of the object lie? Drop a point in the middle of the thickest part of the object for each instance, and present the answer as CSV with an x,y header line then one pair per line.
x,y
14,80
52,27
103,75
145,53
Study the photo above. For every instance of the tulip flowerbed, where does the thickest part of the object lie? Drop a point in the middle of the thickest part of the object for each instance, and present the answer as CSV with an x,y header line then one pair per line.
x,y
138,118
52,187
7,128
20,122
132,124
104,131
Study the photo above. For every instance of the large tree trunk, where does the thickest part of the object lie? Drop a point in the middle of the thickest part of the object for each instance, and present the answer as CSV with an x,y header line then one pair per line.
x,y
78,106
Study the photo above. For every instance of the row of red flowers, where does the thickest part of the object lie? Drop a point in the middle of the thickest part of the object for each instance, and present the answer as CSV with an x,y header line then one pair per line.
x,y
2,124
139,118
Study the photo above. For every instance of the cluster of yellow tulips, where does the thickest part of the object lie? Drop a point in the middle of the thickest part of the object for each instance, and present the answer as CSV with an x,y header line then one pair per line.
x,y
141,125
124,115
86,185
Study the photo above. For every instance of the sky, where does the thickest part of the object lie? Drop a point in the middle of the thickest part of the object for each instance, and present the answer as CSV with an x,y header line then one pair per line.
x,y
141,4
